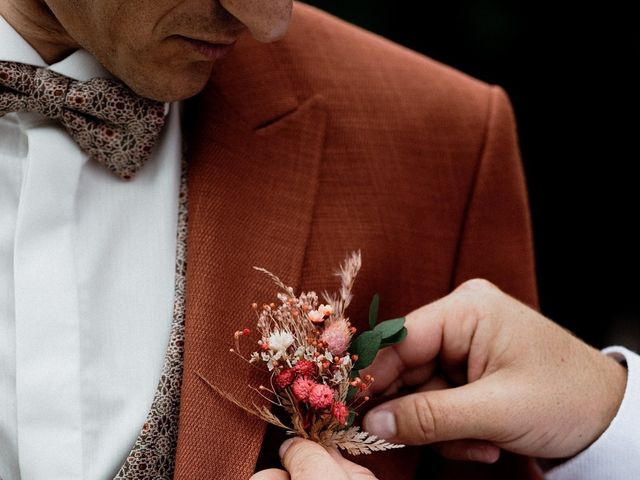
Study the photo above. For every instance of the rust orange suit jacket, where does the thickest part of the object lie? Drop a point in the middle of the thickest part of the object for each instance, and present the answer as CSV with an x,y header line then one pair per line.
x,y
329,141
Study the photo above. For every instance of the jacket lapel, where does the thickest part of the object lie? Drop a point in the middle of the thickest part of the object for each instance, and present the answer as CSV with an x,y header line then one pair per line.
x,y
254,156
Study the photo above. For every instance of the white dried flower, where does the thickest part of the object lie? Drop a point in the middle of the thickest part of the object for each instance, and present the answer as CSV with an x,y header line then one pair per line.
x,y
316,316
279,341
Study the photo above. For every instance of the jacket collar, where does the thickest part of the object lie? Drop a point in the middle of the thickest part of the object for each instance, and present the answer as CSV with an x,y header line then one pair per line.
x,y
254,152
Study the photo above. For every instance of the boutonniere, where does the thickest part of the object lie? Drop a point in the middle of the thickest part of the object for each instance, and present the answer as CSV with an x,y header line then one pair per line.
x,y
313,355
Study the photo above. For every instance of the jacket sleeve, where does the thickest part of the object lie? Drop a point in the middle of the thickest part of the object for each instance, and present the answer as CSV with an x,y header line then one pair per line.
x,y
496,240
496,244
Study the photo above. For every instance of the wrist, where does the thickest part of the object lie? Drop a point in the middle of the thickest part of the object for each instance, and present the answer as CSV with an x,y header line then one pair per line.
x,y
611,455
615,383
613,386
603,399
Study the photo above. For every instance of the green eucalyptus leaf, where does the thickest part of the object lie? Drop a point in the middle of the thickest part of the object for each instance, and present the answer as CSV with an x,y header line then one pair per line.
x,y
366,346
354,373
397,338
373,311
389,328
362,342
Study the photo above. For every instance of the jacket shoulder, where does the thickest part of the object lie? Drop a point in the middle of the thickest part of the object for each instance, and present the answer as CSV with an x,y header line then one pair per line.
x,y
351,66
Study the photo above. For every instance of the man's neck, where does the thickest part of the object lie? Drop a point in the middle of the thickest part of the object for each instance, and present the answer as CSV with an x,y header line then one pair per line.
x,y
35,22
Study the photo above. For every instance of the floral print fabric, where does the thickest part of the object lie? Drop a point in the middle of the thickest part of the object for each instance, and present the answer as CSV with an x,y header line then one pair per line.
x,y
109,122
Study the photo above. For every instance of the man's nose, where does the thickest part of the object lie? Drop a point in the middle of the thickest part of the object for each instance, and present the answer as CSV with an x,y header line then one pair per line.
x,y
267,20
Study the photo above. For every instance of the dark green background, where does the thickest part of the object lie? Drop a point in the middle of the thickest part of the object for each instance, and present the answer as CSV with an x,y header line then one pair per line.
x,y
568,71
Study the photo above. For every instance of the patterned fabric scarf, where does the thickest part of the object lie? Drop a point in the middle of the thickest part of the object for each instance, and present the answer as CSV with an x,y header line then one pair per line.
x,y
153,454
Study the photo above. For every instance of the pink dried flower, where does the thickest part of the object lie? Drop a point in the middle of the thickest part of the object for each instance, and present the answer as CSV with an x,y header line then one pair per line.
x,y
340,412
320,396
326,310
337,337
285,378
305,368
302,387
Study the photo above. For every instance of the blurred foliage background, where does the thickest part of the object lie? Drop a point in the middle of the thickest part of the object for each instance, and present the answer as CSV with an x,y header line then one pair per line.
x,y
570,73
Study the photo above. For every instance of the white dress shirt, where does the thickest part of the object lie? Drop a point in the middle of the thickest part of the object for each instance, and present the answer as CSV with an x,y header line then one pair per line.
x,y
87,265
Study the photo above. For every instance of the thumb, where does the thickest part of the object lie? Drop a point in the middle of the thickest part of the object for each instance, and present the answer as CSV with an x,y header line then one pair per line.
x,y
471,411
307,460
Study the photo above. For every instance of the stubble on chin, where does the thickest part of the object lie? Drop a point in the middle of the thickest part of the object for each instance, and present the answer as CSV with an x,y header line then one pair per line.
x,y
163,81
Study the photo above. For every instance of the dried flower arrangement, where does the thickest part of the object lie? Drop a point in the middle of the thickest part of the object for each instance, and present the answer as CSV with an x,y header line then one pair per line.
x,y
314,365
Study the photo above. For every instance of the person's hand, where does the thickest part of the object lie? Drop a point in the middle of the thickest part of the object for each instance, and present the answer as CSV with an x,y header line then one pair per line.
x,y
521,382
306,460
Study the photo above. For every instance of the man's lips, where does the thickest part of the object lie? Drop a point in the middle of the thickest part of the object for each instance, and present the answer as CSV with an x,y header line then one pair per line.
x,y
211,50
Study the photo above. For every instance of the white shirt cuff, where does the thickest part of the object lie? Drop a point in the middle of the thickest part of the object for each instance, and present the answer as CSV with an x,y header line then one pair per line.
x,y
616,453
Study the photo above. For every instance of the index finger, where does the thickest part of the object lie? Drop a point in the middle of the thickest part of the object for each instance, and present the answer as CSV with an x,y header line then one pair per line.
x,y
418,349
448,321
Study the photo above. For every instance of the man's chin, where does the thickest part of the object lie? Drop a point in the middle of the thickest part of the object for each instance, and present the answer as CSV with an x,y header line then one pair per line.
x,y
172,94
172,88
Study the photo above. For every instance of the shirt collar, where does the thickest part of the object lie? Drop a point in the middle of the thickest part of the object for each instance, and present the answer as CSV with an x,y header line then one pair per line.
x,y
80,65
14,48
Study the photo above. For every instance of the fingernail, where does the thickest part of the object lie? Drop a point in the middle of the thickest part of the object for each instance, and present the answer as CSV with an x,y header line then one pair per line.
x,y
381,423
285,446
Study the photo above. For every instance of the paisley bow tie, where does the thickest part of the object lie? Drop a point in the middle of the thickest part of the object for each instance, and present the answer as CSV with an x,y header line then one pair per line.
x,y
107,120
